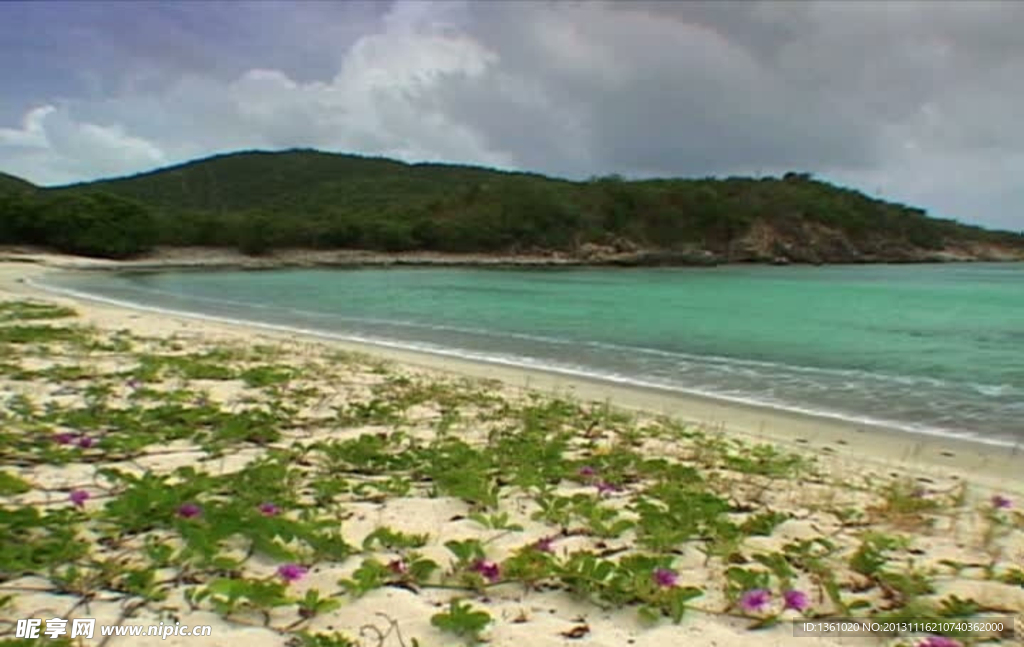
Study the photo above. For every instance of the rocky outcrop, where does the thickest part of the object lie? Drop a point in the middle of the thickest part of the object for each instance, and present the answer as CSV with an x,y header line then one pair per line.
x,y
808,242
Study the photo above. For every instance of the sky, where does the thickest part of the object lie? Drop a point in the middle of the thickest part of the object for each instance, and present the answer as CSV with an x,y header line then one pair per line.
x,y
914,101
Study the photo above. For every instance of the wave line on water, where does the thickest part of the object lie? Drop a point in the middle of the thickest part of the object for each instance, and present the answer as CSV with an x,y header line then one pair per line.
x,y
720,361
535,364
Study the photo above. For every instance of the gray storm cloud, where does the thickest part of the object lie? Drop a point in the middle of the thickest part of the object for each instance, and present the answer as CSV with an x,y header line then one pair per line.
x,y
917,100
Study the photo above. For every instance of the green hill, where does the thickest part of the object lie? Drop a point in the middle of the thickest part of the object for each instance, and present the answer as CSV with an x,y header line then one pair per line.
x,y
11,184
259,201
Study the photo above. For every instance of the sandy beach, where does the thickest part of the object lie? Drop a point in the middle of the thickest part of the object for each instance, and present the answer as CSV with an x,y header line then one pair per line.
x,y
957,536
995,466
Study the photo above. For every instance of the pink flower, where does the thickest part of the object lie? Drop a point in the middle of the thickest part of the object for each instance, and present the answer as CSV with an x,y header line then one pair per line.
x,y
604,487
544,544
665,578
490,570
939,641
291,572
268,509
189,510
1001,502
796,600
79,497
398,567
587,471
755,600
85,442
63,438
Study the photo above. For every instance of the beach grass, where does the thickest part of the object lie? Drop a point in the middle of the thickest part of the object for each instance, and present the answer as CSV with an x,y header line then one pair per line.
x,y
324,498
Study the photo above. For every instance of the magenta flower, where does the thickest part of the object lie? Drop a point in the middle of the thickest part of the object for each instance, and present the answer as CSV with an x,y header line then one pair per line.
x,y
755,600
604,487
189,510
665,578
796,600
398,567
63,438
1001,502
544,544
291,572
85,442
939,641
587,471
490,570
268,509
79,497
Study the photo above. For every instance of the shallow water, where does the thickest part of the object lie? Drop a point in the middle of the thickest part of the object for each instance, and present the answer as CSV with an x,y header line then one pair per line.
x,y
927,348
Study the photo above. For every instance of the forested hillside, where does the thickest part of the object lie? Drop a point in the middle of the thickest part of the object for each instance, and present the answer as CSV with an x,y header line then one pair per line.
x,y
258,201
11,184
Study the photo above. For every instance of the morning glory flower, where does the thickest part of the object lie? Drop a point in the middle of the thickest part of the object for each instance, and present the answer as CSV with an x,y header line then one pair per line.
x,y
79,497
1001,502
587,471
85,442
544,544
755,600
604,487
398,567
268,509
490,570
796,600
291,572
189,510
63,438
665,578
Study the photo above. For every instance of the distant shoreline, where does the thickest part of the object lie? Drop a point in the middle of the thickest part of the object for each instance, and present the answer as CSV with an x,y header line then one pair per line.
x,y
205,258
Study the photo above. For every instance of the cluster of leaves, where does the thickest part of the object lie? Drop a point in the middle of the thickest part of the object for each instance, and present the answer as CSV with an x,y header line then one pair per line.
x,y
32,310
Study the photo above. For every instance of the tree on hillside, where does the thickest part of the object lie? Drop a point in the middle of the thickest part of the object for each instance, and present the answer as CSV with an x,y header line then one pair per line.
x,y
96,224
19,219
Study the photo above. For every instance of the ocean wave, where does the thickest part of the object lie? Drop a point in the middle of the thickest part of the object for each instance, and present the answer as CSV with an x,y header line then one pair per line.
x,y
520,361
726,363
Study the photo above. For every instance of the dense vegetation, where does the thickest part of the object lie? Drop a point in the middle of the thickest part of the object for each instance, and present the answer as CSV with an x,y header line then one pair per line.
x,y
11,184
259,201
295,494
88,224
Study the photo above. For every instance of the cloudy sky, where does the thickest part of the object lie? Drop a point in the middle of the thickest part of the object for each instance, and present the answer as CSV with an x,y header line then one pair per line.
x,y
916,101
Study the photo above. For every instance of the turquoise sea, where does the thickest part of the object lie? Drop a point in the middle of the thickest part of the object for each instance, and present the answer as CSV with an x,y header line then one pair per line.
x,y
935,349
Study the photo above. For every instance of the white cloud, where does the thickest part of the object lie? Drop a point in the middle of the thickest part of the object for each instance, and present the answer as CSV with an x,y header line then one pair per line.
x,y
920,101
31,134
52,148
371,106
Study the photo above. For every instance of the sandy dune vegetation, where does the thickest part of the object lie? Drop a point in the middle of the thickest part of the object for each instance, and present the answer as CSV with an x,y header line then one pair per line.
x,y
292,492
